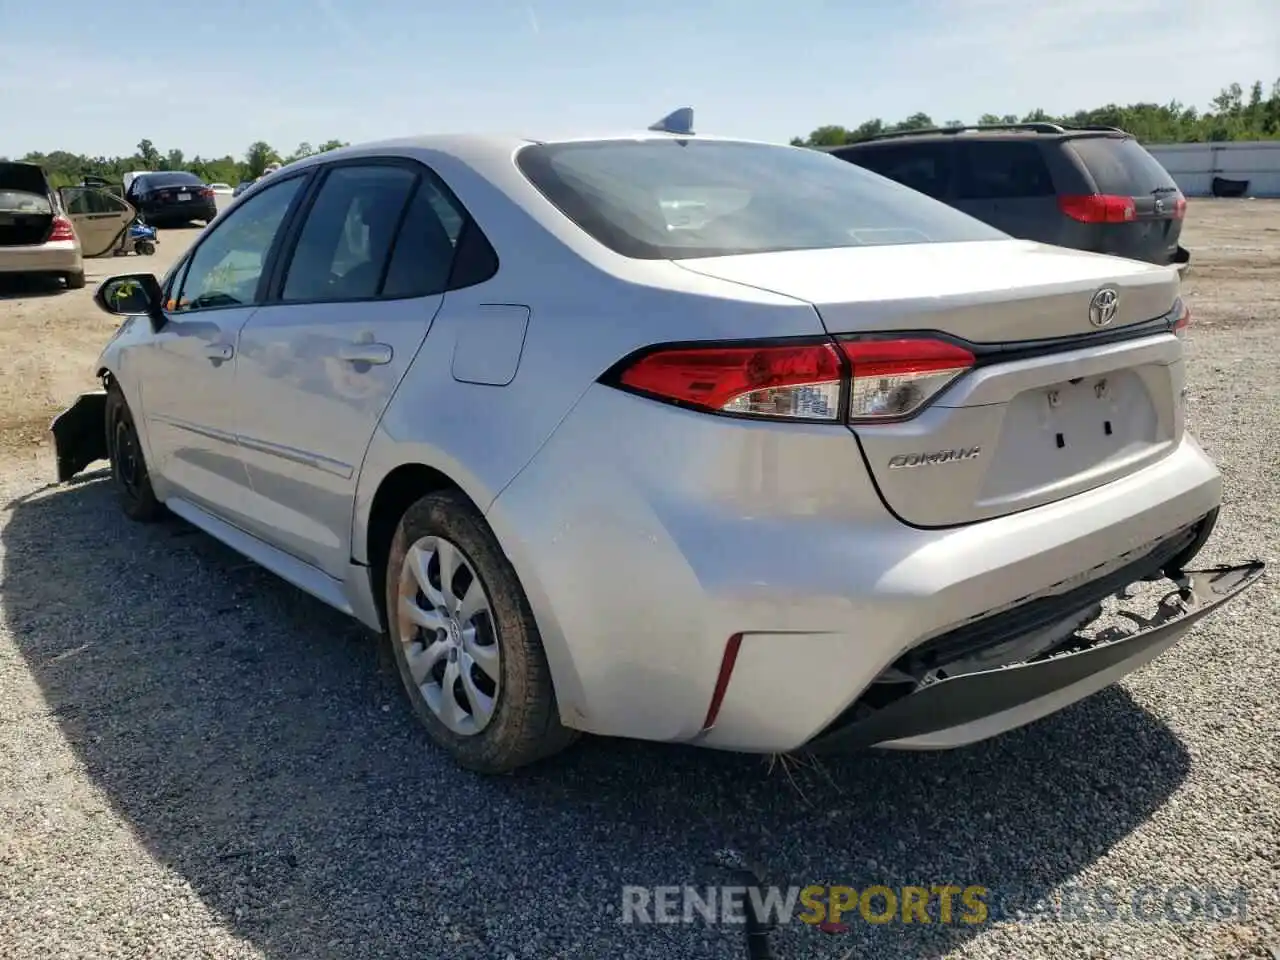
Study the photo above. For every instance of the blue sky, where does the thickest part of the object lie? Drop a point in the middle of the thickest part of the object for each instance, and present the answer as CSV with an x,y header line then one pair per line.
x,y
95,78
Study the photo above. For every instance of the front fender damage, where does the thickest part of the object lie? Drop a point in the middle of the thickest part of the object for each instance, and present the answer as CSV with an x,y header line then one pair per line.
x,y
80,434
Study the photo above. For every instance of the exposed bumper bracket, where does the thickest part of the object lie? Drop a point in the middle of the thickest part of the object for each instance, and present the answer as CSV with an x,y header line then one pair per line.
x,y
959,700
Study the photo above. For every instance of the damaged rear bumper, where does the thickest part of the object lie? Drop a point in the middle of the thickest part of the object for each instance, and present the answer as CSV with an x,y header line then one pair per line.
x,y
80,434
965,708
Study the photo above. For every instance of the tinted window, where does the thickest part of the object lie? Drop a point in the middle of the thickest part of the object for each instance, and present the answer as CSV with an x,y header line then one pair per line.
x,y
178,178
425,245
1122,167
996,170
84,200
660,199
225,268
343,246
925,167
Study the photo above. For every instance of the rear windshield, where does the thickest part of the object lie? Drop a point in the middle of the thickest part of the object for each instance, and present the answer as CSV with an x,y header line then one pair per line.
x,y
19,201
677,199
1122,167
175,179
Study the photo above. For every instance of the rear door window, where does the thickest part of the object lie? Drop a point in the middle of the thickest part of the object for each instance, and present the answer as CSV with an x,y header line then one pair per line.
x,y
995,170
1122,167
925,167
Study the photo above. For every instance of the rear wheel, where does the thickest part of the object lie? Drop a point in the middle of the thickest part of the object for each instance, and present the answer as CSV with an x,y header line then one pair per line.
x,y
74,280
128,466
465,642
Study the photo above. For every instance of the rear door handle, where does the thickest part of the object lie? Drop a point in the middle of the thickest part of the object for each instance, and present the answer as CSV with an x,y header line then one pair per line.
x,y
219,351
376,354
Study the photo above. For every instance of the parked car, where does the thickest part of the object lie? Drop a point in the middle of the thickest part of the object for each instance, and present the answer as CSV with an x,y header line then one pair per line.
x,y
221,189
1092,188
50,234
172,198
242,186
832,465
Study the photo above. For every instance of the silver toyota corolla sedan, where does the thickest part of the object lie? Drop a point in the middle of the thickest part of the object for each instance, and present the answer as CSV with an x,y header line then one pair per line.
x,y
671,437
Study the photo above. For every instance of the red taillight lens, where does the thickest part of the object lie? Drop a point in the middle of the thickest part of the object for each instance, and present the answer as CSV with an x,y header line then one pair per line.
x,y
1180,207
62,230
796,381
1098,208
1184,320
895,378
884,379
206,192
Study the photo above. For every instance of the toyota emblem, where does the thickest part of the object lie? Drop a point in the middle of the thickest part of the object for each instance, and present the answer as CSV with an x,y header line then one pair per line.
x,y
1104,307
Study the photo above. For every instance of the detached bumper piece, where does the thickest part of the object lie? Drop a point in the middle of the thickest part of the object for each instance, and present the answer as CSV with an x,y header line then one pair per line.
x,y
1182,260
958,701
80,434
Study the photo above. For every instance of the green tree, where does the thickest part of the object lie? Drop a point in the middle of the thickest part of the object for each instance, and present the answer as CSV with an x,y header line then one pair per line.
x,y
148,154
258,156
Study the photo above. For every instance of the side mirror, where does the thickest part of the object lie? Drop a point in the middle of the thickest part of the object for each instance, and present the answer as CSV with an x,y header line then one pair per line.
x,y
131,294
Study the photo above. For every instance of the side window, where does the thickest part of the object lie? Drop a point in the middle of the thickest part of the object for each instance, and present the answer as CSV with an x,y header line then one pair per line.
x,y
87,200
343,246
225,268
997,171
925,167
425,246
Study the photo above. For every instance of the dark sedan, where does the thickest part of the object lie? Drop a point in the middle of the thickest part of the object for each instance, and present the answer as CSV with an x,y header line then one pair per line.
x,y
172,199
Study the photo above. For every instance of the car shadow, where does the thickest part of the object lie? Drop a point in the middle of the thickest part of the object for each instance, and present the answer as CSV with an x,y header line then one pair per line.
x,y
22,286
259,745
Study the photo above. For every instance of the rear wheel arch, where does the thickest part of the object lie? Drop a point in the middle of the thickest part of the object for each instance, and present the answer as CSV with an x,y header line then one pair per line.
x,y
396,492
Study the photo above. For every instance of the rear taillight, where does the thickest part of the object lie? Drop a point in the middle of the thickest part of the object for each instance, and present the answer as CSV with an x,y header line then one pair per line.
x,y
1179,207
895,378
792,381
863,380
1098,208
62,230
1183,320
206,192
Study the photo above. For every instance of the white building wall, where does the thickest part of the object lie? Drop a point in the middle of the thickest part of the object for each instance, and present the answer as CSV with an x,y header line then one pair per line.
x,y
1194,165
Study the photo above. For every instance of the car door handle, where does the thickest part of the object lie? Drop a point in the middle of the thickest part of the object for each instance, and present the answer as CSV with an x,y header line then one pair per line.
x,y
371,353
219,351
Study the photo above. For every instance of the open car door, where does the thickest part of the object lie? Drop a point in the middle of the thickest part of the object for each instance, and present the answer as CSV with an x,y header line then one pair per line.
x,y
100,218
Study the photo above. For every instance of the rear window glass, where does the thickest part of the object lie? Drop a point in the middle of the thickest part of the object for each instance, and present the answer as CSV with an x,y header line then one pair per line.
x,y
176,179
1122,167
1001,170
19,201
675,199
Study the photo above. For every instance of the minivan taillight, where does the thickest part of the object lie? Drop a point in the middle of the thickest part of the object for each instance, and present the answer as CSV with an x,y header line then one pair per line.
x,y
62,230
859,380
1098,208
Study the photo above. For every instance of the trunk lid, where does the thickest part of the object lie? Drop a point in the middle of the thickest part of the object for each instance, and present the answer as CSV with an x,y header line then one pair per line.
x,y
1052,420
26,213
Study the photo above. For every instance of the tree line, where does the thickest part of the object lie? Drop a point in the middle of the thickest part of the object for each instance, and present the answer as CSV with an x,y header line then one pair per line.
x,y
66,169
1234,115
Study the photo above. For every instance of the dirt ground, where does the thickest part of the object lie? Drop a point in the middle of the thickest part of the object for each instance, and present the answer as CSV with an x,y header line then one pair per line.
x,y
50,338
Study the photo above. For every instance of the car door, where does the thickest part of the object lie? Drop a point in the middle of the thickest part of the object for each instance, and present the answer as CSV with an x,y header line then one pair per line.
x,y
319,362
99,218
187,371
1007,184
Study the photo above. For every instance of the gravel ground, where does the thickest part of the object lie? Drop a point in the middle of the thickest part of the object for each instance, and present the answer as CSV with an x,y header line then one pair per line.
x,y
198,761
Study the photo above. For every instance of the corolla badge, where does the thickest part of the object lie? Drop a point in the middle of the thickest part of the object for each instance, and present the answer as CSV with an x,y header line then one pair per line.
x,y
1104,306
904,461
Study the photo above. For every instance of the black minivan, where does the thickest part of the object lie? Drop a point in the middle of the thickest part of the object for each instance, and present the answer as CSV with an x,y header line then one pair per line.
x,y
1092,188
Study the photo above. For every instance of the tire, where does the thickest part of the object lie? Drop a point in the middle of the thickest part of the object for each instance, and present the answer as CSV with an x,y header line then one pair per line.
x,y
128,465
524,724
74,280
145,248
